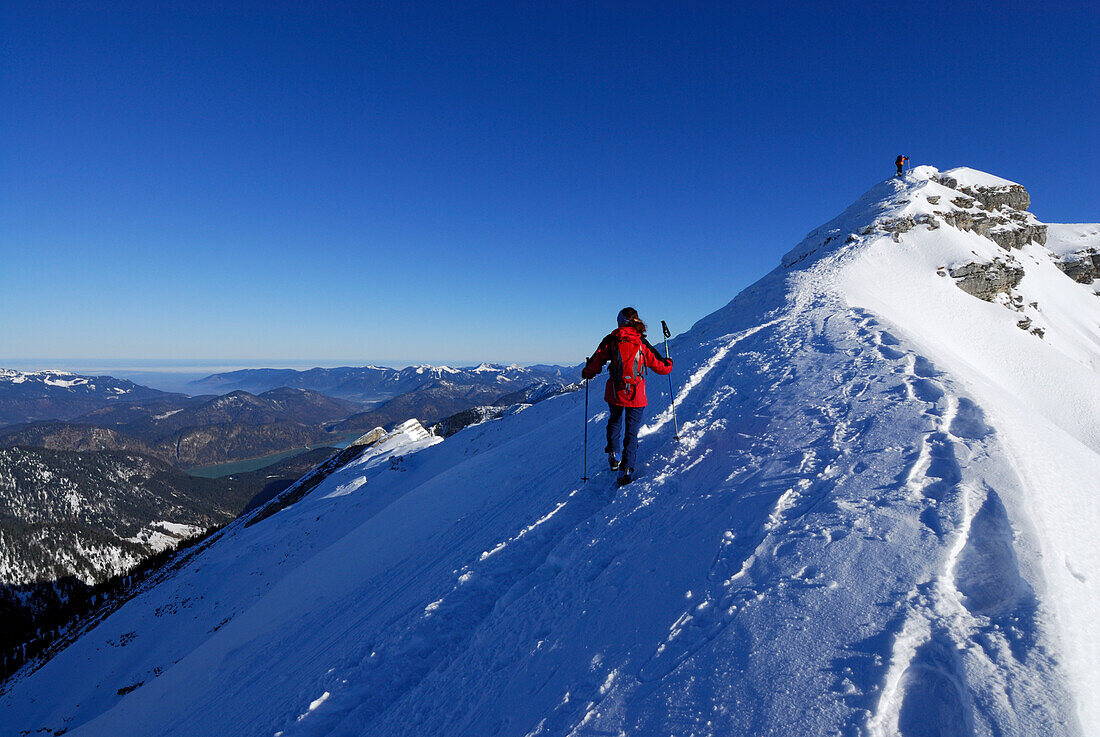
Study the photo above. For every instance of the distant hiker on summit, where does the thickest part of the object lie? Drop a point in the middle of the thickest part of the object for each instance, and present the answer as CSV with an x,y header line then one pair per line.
x,y
900,161
630,354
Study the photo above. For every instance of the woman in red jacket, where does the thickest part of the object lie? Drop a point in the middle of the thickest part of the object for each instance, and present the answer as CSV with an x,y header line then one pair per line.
x,y
630,355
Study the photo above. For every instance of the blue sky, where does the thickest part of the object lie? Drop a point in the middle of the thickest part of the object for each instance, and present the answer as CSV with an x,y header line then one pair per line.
x,y
405,182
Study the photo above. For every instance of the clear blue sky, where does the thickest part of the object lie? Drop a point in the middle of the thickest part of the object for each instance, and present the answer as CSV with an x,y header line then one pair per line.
x,y
405,181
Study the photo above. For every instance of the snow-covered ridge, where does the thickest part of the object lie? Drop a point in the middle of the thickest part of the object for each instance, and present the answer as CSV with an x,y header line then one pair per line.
x,y
991,249
62,379
882,499
60,394
1064,239
967,177
68,381
388,452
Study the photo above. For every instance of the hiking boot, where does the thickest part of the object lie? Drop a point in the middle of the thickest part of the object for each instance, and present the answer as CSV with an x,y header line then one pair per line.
x,y
613,461
626,477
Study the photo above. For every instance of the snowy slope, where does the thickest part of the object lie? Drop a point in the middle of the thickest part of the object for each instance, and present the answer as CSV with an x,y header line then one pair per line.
x,y
1067,238
1077,249
877,521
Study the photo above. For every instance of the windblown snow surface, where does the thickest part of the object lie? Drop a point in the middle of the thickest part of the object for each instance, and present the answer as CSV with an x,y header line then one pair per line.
x,y
879,520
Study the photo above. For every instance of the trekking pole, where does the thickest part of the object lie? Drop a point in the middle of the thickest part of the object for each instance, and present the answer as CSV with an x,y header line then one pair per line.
x,y
584,473
671,396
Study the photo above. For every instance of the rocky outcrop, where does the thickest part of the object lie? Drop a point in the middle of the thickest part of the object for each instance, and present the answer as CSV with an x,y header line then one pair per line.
x,y
998,213
899,225
992,198
369,438
1007,228
995,282
1018,234
986,281
1083,266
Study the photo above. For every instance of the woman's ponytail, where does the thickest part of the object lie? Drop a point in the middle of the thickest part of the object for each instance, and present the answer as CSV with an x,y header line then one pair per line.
x,y
628,317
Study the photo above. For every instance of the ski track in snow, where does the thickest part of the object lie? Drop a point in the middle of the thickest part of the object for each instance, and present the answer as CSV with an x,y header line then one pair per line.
x,y
925,683
939,641
696,379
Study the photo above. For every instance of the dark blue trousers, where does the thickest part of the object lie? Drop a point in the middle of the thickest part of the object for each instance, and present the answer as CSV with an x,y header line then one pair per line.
x,y
614,431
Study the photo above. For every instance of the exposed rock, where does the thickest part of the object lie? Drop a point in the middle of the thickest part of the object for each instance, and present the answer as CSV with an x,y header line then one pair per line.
x,y
948,181
1005,228
1083,266
369,438
992,198
986,280
1015,197
897,226
996,212
1017,235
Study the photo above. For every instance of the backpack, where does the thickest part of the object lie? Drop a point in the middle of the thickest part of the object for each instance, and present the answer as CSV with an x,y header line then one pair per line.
x,y
627,364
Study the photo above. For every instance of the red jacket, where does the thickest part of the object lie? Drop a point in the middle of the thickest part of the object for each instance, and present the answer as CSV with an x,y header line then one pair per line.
x,y
629,342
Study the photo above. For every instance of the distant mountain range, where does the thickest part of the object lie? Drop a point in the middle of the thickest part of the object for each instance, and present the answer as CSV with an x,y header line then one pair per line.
x,y
58,395
260,411
510,403
373,384
196,431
